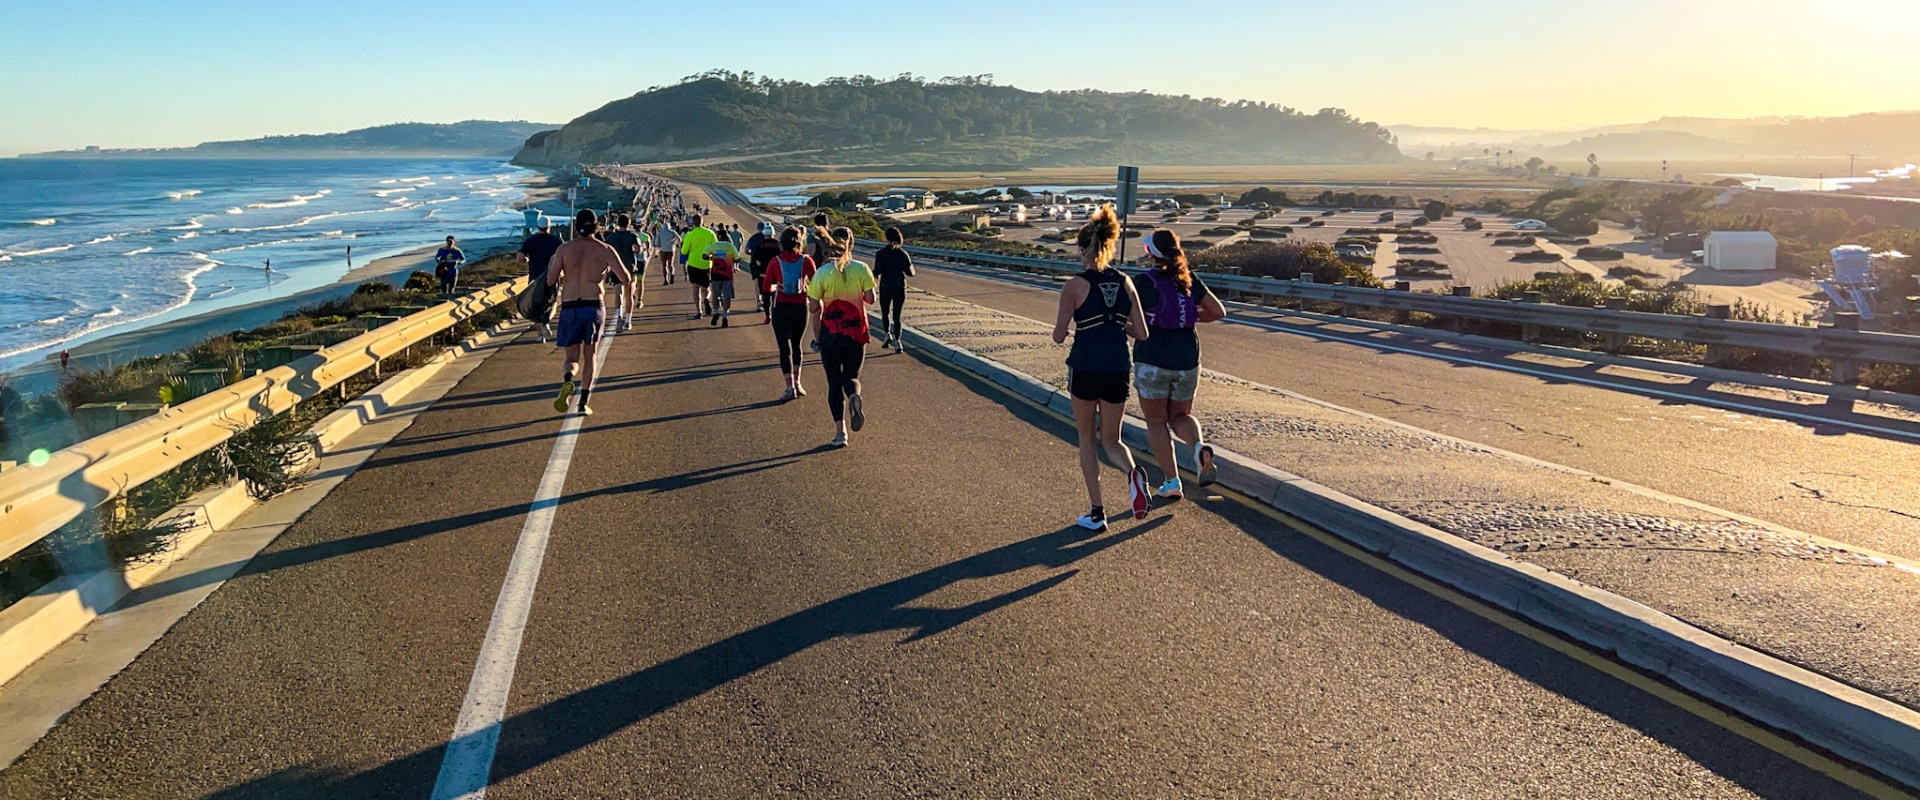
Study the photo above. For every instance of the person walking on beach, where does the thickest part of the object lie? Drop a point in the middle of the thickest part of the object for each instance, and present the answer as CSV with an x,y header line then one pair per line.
x,y
1166,365
693,256
1100,306
580,270
537,253
762,248
446,266
625,242
841,290
892,266
667,240
785,284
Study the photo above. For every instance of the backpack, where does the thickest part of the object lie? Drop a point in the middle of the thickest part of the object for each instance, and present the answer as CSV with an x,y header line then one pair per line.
x,y
793,276
1176,310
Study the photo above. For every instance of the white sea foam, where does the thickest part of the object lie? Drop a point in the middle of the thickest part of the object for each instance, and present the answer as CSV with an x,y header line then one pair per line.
x,y
185,236
42,222
42,251
236,210
184,194
112,311
425,178
297,201
101,240
51,320
441,200
138,252
193,223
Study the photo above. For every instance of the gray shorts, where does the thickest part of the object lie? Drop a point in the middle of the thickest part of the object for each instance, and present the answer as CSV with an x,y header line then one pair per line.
x,y
1159,383
722,290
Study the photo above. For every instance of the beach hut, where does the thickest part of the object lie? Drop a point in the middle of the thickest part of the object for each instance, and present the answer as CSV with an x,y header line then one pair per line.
x,y
1736,251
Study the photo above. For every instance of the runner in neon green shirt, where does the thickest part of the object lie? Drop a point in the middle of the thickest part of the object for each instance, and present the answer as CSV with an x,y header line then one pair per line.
x,y
693,253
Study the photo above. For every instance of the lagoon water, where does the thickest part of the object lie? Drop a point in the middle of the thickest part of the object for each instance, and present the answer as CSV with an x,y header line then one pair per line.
x,y
95,247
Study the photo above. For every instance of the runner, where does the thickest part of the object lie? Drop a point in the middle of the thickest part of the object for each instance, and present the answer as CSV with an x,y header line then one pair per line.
x,y
580,269
537,252
1166,368
693,256
734,235
722,256
762,247
446,266
785,284
623,241
667,240
1101,306
841,291
892,266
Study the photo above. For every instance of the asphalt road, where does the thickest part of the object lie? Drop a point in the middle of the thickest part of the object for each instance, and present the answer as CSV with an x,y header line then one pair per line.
x,y
727,610
1847,485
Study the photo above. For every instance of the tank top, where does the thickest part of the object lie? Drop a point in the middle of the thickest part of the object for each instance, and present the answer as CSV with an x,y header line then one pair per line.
x,y
1100,324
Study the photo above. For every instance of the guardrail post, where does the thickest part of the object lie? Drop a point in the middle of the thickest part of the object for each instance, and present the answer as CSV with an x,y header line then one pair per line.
x,y
1615,339
1346,308
1458,324
1400,315
1846,371
1233,294
1529,332
1719,353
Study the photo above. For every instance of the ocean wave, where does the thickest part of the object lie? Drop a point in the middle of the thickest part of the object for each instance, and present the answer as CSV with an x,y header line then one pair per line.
x,y
51,320
426,178
101,240
296,201
42,251
385,192
112,311
192,287
193,223
184,194
185,236
42,222
295,240
137,252
236,210
441,200
224,288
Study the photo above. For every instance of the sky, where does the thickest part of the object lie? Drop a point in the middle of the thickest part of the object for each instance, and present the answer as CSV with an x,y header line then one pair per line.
x,y
151,73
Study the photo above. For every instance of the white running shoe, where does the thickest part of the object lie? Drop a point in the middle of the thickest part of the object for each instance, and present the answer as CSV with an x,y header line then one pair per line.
x,y
1094,520
839,441
1169,492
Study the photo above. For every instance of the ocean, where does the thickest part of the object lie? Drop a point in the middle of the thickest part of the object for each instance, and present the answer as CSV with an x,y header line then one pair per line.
x,y
90,248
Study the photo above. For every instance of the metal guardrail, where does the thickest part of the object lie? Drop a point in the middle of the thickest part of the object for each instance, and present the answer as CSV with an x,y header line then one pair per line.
x,y
36,501
1845,347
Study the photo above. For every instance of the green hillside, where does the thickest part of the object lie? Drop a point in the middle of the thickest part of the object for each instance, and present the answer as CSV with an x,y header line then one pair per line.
x,y
957,121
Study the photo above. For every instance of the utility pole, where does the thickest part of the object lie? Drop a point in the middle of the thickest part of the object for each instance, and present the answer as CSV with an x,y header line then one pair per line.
x,y
1663,170
1850,158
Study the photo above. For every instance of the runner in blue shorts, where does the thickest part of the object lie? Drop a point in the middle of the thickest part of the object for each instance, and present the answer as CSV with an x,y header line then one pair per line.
x,y
580,270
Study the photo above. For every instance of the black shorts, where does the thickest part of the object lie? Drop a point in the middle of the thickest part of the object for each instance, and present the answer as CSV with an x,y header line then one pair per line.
x,y
1105,387
699,277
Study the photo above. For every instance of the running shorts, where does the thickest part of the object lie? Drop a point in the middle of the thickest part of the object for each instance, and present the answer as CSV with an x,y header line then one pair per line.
x,y
722,290
698,276
1105,387
1160,383
578,325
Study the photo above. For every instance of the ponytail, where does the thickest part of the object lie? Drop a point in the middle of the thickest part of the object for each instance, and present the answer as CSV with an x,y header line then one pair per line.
x,y
1098,236
1164,247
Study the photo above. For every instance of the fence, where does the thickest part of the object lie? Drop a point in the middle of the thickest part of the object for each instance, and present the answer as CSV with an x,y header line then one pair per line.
x,y
1843,345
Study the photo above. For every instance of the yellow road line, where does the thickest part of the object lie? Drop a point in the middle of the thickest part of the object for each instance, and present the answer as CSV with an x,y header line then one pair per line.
x,y
1852,776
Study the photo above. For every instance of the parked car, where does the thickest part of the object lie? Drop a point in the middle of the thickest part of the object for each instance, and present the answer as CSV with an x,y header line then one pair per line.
x,y
1529,225
1351,250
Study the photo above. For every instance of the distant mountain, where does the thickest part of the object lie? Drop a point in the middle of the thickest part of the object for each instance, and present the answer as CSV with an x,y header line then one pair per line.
x,y
1413,136
954,121
470,138
1652,144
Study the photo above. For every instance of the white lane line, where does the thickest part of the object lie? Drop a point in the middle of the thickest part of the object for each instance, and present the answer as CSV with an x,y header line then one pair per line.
x,y
1558,376
476,734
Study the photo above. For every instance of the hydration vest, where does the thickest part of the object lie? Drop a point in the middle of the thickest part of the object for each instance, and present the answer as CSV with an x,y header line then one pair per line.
x,y
1176,310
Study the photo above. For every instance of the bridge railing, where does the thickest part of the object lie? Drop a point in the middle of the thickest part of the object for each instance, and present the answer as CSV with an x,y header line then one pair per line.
x,y
1843,346
36,501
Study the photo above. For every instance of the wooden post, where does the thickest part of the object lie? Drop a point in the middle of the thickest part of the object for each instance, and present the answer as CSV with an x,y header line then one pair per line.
x,y
1400,315
1718,354
1459,324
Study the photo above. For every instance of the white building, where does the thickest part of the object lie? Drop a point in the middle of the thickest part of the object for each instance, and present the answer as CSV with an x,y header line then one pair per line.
x,y
1740,250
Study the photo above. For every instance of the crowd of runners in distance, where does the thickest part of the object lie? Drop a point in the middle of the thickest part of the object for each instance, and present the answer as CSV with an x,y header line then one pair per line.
x,y
1130,333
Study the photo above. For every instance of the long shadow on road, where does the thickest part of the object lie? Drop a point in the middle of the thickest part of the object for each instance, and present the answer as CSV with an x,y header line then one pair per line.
x,y
550,731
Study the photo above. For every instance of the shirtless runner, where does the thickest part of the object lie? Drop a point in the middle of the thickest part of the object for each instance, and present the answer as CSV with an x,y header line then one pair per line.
x,y
579,270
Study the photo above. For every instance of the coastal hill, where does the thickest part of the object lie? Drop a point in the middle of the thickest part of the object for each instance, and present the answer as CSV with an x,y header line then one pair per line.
x,y
954,121
1890,134
470,138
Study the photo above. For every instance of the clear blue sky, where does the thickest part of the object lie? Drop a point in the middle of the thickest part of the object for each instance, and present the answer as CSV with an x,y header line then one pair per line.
x,y
121,73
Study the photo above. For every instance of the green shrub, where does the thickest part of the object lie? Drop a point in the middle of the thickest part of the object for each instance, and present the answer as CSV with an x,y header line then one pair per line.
x,y
1471,224
1601,253
1286,260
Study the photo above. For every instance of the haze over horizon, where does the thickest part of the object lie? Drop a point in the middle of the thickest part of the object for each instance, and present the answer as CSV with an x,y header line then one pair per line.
x,y
125,74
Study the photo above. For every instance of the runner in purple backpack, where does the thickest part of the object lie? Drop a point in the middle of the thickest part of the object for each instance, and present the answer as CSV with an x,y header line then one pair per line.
x,y
1166,364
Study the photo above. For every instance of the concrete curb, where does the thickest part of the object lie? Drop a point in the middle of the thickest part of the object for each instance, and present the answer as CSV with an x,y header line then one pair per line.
x,y
1855,725
34,626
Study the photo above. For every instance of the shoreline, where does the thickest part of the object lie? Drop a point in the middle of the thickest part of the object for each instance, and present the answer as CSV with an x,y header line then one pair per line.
x,y
173,335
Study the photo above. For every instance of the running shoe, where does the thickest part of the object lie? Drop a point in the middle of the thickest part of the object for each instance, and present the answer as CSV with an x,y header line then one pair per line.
x,y
566,391
899,347
1169,492
723,322
715,323
1094,520
1204,468
814,345
586,411
856,413
787,395
767,320
1137,492
800,390
839,441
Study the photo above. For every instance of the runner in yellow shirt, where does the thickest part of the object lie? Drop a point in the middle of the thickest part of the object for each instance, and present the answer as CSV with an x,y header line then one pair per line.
x,y
840,291
693,253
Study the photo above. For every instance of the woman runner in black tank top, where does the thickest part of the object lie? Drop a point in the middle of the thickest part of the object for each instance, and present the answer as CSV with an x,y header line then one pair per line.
x,y
1102,309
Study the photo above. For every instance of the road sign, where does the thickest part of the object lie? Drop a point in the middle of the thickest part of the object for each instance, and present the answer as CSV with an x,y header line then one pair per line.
x,y
583,181
573,193
1128,191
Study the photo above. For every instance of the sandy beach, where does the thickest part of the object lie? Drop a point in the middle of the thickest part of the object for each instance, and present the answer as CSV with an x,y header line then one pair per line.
x,y
180,333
